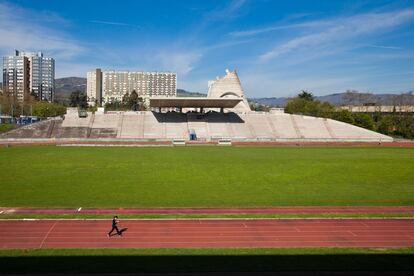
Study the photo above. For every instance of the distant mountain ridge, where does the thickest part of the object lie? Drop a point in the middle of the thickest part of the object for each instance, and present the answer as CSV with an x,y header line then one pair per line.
x,y
68,85
65,86
185,93
335,99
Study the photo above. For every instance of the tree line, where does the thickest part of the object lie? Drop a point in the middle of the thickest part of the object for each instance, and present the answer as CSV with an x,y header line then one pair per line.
x,y
32,106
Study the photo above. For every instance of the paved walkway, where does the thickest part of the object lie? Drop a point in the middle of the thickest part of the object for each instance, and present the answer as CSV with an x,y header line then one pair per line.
x,y
209,233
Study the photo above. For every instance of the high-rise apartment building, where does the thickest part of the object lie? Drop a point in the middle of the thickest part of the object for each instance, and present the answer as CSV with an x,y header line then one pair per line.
x,y
16,73
115,84
94,86
26,73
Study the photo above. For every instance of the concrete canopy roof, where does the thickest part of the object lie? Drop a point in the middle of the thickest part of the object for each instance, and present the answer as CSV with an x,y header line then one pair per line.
x,y
194,102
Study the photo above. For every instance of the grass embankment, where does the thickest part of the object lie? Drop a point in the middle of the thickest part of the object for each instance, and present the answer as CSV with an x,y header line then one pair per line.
x,y
207,216
49,176
205,260
6,127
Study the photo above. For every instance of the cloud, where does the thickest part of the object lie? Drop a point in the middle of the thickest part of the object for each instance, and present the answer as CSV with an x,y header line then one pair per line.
x,y
228,11
114,23
23,29
180,62
335,32
257,31
385,47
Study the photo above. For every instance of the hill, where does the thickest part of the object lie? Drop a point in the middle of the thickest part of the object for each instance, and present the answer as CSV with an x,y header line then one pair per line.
x,y
65,86
184,93
70,84
340,99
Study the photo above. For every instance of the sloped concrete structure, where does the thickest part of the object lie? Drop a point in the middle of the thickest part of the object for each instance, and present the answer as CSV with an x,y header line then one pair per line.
x,y
239,123
210,126
228,86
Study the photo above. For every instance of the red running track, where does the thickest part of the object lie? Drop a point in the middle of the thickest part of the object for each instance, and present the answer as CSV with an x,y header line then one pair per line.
x,y
263,210
215,233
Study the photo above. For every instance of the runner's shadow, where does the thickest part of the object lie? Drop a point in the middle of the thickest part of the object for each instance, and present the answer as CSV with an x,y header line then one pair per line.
x,y
120,232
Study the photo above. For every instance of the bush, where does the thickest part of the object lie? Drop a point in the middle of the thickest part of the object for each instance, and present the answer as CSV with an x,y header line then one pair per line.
x,y
386,125
343,116
46,109
404,126
303,106
363,120
6,127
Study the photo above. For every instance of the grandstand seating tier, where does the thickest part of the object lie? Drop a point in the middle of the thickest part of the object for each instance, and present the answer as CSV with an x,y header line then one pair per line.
x,y
207,126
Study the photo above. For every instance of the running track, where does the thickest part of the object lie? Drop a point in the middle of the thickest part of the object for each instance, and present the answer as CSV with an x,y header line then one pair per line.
x,y
209,233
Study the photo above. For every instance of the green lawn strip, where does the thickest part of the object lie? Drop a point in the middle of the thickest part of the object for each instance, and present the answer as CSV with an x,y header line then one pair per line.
x,y
39,176
198,251
206,216
206,260
6,127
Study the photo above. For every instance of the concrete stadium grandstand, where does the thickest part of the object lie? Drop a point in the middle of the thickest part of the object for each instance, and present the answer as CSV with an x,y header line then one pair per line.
x,y
223,115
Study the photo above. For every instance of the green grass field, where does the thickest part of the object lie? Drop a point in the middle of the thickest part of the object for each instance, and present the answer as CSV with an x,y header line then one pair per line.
x,y
205,176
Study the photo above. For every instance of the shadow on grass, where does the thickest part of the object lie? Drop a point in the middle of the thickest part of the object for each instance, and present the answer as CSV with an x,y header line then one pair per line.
x,y
210,263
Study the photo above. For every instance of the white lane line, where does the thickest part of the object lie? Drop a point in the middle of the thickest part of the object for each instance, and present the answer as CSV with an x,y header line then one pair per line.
x,y
352,233
47,234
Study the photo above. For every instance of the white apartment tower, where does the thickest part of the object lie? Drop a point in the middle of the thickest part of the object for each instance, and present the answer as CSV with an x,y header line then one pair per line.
x,y
26,73
111,86
16,72
94,87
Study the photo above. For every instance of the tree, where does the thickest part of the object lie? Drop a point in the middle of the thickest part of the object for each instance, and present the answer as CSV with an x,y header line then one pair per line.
x,y
34,95
302,105
78,99
306,95
404,126
45,109
386,125
343,116
363,120
9,103
133,100
296,106
126,99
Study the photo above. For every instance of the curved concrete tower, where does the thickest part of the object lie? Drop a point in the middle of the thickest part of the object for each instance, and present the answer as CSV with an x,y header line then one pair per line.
x,y
228,86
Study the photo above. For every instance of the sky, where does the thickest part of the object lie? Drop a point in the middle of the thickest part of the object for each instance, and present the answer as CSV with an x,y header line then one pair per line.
x,y
277,47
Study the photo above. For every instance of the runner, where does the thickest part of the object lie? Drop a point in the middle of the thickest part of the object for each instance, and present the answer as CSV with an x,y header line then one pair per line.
x,y
114,227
